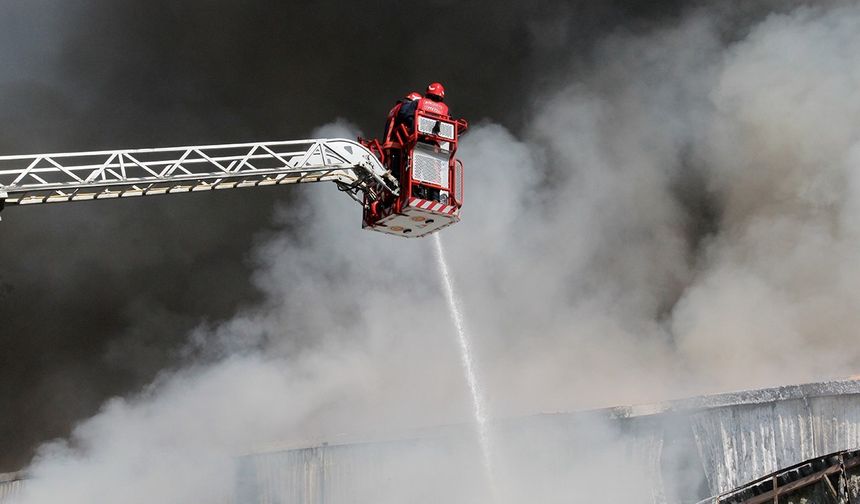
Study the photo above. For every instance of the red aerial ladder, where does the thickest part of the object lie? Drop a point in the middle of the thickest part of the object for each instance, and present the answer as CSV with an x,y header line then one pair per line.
x,y
410,187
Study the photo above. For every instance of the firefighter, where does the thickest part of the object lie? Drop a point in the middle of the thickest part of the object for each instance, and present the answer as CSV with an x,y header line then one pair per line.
x,y
406,114
433,100
403,112
400,114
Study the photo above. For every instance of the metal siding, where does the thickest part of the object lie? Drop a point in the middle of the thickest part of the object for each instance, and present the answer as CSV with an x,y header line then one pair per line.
x,y
540,456
836,423
739,444
732,443
9,490
793,431
358,473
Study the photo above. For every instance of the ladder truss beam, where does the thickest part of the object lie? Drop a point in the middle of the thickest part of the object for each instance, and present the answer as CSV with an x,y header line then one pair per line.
x,y
82,176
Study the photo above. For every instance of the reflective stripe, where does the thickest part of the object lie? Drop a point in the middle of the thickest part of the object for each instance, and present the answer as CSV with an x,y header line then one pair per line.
x,y
432,206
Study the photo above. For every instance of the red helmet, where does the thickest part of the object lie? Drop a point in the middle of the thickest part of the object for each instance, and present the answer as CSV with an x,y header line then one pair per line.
x,y
414,95
436,90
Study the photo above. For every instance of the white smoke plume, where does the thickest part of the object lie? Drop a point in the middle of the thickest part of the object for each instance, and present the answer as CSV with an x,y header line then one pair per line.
x,y
681,218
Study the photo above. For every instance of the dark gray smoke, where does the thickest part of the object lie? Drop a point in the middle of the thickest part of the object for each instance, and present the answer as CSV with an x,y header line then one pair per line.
x,y
676,214
97,298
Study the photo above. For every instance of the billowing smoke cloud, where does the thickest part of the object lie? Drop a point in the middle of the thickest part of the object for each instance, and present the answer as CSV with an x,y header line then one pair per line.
x,y
96,299
776,284
677,219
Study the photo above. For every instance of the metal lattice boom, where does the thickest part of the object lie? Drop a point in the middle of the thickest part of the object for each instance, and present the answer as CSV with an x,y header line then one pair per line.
x,y
81,176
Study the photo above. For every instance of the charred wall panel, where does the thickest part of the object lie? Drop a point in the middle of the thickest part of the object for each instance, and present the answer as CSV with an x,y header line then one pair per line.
x,y
742,443
10,488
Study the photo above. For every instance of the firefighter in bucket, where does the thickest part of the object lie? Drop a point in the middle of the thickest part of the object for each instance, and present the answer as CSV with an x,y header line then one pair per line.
x,y
419,149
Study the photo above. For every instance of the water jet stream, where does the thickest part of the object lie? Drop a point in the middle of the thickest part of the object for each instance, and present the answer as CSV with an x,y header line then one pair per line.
x,y
468,367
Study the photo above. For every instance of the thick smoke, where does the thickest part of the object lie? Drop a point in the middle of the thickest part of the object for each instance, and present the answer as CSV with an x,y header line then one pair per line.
x,y
677,219
96,299
779,279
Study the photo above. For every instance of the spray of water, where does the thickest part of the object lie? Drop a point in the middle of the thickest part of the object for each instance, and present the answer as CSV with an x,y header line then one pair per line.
x,y
468,366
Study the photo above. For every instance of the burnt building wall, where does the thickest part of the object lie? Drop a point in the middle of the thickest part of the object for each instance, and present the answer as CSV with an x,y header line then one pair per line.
x,y
674,452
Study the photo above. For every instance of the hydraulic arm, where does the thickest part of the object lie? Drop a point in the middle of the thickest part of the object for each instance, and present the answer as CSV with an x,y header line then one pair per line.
x,y
80,176
409,186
